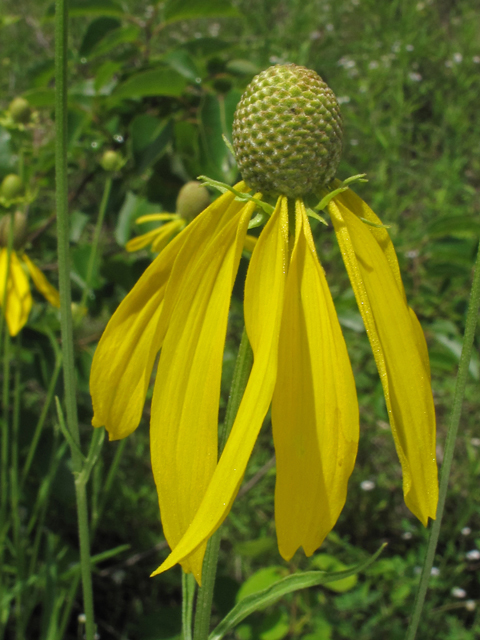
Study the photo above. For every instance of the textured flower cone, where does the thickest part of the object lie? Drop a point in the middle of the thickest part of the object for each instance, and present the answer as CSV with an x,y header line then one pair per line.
x,y
287,132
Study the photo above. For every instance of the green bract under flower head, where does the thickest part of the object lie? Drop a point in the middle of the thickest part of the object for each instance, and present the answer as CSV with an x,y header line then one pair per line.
x,y
287,132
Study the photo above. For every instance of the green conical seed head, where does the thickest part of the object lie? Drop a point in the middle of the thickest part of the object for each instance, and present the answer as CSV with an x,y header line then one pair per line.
x,y
287,132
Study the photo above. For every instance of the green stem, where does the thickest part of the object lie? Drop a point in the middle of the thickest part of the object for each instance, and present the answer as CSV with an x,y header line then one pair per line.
x,y
14,490
61,41
188,595
203,612
96,240
470,326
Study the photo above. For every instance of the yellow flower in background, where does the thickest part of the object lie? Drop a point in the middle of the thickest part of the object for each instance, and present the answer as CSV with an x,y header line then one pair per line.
x,y
14,276
192,199
287,138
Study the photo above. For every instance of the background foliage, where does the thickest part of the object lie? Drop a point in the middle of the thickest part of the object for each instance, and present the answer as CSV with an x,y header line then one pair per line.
x,y
159,82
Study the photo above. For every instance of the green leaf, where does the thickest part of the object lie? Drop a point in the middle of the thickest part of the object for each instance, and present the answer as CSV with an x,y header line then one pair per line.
x,y
183,63
259,581
133,207
216,118
188,9
150,137
154,82
273,593
78,8
40,97
326,562
114,38
454,226
95,32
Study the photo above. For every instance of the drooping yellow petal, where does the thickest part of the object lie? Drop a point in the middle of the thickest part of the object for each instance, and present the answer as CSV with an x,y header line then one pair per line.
x,y
263,307
400,359
250,242
46,289
155,217
18,297
356,205
184,422
314,407
124,357
142,241
165,234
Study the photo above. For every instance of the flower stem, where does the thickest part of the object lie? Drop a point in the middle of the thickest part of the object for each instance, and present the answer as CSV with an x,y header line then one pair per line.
x,y
96,240
470,326
61,40
203,612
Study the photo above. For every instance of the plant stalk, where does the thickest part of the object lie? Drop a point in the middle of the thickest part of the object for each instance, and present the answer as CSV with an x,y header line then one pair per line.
x,y
203,612
460,384
61,41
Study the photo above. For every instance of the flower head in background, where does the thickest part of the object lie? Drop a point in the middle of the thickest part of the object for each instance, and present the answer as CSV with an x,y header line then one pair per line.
x,y
288,140
192,199
15,295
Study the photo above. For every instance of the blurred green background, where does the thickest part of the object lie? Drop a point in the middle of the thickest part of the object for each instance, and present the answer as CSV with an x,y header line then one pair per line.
x,y
159,82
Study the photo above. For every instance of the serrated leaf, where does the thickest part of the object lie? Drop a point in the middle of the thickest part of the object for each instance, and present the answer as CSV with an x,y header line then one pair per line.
x,y
154,82
287,585
95,32
187,9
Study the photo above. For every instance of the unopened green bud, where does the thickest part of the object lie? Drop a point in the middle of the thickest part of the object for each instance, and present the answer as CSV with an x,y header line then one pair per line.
x,y
20,110
11,187
19,229
287,132
192,199
112,161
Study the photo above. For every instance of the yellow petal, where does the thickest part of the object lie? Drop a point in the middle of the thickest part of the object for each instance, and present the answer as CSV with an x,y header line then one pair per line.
x,y
165,234
263,307
18,296
142,241
154,217
124,357
314,407
356,205
250,242
394,336
184,422
46,289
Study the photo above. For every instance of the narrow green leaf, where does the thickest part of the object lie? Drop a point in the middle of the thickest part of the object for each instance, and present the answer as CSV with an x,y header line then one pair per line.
x,y
64,429
188,9
96,444
154,82
273,593
374,224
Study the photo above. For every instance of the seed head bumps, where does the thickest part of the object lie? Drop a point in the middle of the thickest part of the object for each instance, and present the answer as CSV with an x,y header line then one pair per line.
x,y
287,132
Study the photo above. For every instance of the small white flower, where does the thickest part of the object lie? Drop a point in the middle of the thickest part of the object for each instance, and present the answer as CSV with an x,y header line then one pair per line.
x,y
457,57
470,605
367,485
373,64
458,592
475,442
434,571
407,535
354,142
415,77
81,618
474,554
412,254
118,138
329,27
409,47
476,59
466,531
343,99
94,145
